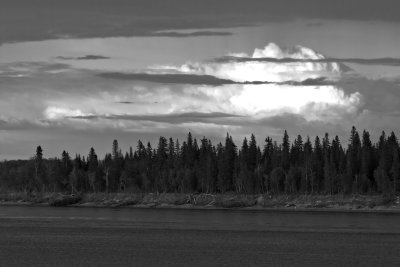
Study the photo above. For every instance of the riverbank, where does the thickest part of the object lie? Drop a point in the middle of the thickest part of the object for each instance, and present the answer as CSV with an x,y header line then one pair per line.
x,y
206,201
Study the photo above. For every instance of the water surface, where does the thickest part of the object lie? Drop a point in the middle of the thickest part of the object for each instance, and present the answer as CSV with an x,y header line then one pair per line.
x,y
37,236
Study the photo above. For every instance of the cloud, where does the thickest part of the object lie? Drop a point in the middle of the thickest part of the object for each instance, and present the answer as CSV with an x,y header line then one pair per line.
x,y
136,102
57,108
28,69
297,124
189,34
167,78
174,118
268,71
20,124
272,50
195,79
87,57
311,82
55,113
51,20
370,61
385,61
15,124
310,101
268,89
380,96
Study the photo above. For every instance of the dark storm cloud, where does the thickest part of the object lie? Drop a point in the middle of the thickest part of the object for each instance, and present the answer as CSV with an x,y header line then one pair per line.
x,y
372,61
311,82
87,57
168,78
189,34
175,118
194,79
362,61
24,20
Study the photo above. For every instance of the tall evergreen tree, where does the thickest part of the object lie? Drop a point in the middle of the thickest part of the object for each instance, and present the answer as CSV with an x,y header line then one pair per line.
x,y
308,164
115,150
285,158
317,172
40,170
226,165
92,170
353,162
381,173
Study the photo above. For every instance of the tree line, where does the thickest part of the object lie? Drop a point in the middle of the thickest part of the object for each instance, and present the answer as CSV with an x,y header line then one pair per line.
x,y
321,166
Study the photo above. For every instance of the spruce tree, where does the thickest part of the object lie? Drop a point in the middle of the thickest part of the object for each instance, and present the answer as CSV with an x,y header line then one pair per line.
x,y
285,159
40,170
307,165
317,172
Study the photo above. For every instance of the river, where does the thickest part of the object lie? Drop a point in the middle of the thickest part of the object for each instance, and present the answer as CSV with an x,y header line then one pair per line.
x,y
46,236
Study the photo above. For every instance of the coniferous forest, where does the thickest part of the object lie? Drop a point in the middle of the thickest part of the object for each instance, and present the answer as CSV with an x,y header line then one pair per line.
x,y
304,166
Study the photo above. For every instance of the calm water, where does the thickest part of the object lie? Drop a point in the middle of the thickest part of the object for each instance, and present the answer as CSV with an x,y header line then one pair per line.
x,y
244,220
37,236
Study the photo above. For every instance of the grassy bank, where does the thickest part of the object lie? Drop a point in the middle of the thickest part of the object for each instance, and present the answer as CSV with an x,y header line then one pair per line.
x,y
229,200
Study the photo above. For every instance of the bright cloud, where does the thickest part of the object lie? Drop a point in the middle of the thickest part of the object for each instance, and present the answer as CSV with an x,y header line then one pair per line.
x,y
298,52
312,102
275,99
253,71
55,113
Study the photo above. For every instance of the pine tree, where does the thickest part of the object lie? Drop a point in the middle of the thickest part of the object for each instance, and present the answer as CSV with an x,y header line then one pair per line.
x,y
92,169
267,159
297,152
252,154
40,171
285,160
130,153
226,165
317,172
395,171
381,174
243,177
65,170
393,146
338,162
367,165
115,150
327,168
353,162
307,164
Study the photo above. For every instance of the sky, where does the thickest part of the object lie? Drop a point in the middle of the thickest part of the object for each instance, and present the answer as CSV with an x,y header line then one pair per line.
x,y
79,74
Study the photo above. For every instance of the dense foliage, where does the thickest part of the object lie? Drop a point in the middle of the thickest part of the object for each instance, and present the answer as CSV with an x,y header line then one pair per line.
x,y
318,166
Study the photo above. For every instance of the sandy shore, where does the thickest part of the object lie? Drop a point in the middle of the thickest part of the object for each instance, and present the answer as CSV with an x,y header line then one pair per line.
x,y
208,201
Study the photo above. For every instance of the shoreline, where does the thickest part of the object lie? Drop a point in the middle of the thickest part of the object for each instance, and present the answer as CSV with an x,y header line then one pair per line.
x,y
380,210
299,203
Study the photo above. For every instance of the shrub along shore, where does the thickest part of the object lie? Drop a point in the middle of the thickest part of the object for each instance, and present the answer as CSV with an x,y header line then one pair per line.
x,y
228,200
